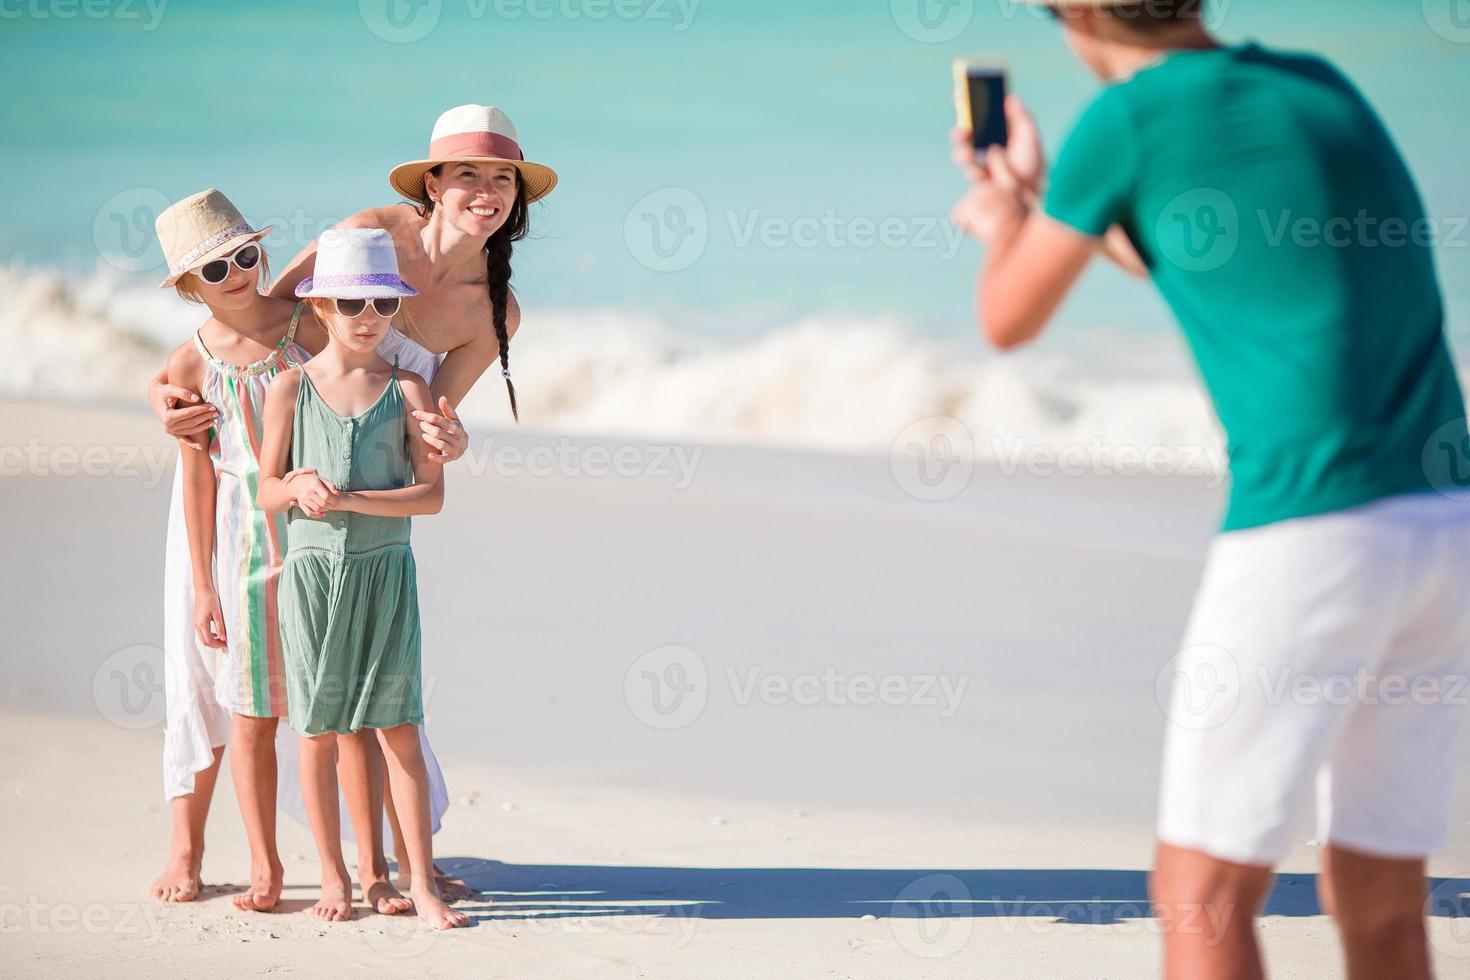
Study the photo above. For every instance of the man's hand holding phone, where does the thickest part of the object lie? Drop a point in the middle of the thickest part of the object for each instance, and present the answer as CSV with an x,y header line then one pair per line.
x,y
1006,179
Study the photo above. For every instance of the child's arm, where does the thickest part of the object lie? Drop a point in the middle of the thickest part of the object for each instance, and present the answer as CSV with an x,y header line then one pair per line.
x,y
185,372
314,495
426,495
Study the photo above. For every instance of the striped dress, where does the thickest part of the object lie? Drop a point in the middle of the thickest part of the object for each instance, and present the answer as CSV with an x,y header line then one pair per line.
x,y
249,544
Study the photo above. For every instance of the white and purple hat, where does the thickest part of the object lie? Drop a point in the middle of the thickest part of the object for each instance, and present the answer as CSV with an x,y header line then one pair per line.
x,y
355,263
478,134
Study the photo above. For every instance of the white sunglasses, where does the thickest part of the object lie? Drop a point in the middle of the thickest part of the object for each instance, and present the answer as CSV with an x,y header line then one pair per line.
x,y
244,258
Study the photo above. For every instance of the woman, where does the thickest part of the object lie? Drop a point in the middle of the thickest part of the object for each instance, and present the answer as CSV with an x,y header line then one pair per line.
x,y
470,198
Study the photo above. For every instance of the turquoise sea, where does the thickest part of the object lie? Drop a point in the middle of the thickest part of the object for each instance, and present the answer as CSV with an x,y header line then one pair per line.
x,y
730,169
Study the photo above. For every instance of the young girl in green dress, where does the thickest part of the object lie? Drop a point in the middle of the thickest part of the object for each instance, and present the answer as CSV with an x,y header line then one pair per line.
x,y
348,615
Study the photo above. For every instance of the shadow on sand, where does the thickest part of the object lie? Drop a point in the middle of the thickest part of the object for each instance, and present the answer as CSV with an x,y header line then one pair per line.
x,y
1080,896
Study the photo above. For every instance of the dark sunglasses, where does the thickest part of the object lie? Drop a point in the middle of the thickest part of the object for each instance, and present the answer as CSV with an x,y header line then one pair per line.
x,y
245,258
386,308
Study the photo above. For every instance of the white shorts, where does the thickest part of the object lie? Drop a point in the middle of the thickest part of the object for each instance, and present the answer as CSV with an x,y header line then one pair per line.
x,y
1334,647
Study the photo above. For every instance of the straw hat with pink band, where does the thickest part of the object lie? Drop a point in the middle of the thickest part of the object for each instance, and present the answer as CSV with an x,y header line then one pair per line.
x,y
199,229
473,134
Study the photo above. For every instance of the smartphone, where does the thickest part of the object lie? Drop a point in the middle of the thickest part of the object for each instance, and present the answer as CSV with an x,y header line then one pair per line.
x,y
980,100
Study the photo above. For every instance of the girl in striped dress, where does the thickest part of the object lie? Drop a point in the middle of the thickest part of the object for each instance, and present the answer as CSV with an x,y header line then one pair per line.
x,y
235,548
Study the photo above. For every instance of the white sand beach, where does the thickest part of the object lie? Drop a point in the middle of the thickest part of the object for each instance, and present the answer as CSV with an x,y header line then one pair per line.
x,y
733,713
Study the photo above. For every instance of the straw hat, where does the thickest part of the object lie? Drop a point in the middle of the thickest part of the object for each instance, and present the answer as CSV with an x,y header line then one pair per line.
x,y
199,229
355,263
473,133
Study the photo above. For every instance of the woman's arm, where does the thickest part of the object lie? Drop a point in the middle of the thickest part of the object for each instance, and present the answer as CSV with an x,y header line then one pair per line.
x,y
464,365
426,494
184,415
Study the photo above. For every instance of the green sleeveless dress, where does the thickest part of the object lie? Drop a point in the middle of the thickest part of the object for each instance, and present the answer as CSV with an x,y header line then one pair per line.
x,y
349,613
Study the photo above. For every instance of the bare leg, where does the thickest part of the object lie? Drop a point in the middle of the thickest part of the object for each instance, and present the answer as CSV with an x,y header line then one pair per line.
x,y
1208,909
319,790
411,792
1378,904
360,769
253,767
179,880
451,889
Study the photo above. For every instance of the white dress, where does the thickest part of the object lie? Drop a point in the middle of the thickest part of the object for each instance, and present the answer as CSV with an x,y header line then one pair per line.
x,y
195,723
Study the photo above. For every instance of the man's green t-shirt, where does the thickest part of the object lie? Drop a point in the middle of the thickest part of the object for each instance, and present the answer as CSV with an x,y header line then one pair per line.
x,y
1282,226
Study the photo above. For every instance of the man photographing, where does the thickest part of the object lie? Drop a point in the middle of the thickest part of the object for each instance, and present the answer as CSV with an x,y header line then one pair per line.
x,y
1345,547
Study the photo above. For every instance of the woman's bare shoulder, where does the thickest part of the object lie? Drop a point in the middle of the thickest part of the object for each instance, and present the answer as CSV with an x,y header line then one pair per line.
x,y
392,218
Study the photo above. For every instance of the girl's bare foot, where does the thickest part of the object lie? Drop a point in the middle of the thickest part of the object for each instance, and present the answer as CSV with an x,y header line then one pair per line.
x,y
433,911
381,896
335,904
179,880
265,889
451,889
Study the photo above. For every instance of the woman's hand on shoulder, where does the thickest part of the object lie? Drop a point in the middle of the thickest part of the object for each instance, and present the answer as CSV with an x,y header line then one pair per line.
x,y
174,397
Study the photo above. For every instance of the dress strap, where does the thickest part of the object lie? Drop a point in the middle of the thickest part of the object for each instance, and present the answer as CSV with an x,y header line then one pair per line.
x,y
295,319
199,346
395,367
